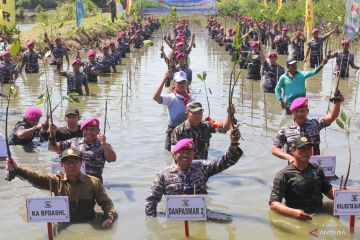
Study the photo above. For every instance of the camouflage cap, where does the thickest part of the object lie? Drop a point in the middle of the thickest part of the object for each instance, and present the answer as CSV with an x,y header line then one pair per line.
x,y
300,142
194,107
69,152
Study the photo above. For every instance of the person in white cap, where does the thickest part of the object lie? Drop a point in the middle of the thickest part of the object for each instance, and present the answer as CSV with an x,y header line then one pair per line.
x,y
175,101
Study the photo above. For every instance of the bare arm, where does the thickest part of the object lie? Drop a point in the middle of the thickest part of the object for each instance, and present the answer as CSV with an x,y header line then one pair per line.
x,y
276,151
334,112
292,212
331,32
157,94
227,122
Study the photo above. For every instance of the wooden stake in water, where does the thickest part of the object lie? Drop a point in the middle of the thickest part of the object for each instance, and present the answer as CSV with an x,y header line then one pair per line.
x,y
49,224
122,97
105,120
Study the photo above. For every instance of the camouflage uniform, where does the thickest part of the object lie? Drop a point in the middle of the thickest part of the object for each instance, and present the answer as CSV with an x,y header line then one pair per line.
x,y
302,189
311,129
343,60
75,82
138,42
200,135
57,51
82,195
92,154
21,125
254,68
31,61
105,61
282,46
122,49
316,51
93,66
273,33
173,181
271,74
245,49
297,49
7,70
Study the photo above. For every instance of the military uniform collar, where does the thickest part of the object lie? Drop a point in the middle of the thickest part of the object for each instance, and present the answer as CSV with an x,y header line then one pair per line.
x,y
293,124
82,141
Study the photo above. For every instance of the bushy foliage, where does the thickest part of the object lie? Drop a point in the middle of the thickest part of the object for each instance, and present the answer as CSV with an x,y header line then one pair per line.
x,y
292,11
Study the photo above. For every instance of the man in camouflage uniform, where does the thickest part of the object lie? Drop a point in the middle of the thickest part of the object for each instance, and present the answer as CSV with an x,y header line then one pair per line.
x,y
76,79
270,71
58,51
302,126
315,46
93,147
91,67
28,128
282,42
297,46
198,130
8,70
106,60
254,64
122,47
273,33
83,190
344,59
186,176
301,183
30,59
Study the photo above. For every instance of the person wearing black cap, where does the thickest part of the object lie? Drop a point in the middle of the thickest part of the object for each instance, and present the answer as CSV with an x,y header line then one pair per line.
x,y
72,129
301,183
83,190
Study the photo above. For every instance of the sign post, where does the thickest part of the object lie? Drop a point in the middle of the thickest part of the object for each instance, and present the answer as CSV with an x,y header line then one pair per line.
x,y
347,203
185,208
327,164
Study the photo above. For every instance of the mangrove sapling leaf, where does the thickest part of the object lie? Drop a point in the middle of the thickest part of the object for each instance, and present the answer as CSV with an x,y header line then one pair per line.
x,y
200,77
13,90
40,101
41,96
210,91
343,116
15,47
340,123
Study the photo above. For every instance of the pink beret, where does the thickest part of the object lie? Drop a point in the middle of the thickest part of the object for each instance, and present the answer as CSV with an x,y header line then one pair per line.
x,y
186,143
275,24
57,39
285,29
315,30
272,54
33,113
138,31
298,103
255,44
230,30
180,55
76,62
179,44
30,43
91,122
345,42
5,53
105,47
91,52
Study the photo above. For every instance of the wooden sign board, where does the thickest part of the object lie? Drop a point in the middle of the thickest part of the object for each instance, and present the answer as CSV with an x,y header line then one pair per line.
x,y
185,207
56,167
327,163
48,209
346,202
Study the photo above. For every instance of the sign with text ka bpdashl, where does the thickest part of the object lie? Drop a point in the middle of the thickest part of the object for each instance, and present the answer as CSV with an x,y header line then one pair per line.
x,y
185,207
327,164
48,209
347,202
